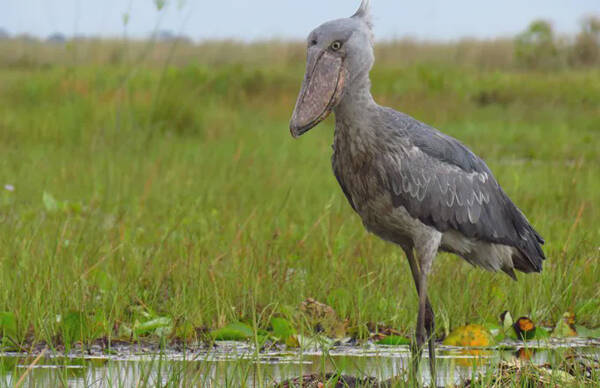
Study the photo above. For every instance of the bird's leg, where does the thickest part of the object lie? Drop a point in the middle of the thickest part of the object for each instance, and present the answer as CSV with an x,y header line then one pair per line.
x,y
426,249
429,315
430,326
421,330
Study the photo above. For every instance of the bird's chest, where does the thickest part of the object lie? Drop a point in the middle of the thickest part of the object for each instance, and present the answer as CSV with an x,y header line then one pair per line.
x,y
356,165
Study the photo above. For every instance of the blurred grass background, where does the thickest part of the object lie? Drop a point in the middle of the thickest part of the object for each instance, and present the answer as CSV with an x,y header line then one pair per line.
x,y
161,176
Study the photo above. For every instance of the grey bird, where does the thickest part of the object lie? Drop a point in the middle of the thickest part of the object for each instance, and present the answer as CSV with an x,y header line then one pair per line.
x,y
411,184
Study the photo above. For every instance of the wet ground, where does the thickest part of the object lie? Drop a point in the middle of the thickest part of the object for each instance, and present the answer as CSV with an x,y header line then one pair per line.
x,y
237,364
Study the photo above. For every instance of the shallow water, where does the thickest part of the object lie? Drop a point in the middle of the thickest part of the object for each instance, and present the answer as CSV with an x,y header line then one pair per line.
x,y
238,364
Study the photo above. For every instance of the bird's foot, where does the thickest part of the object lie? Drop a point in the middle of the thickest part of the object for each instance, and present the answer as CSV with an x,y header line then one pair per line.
x,y
417,346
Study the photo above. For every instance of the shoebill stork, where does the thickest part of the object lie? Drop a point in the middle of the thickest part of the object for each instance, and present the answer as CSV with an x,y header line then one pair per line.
x,y
411,184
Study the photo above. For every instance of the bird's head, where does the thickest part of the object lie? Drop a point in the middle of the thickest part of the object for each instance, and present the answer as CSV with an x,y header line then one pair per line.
x,y
340,52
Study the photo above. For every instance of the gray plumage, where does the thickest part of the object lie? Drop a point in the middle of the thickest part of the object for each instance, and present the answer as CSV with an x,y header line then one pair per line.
x,y
386,159
410,184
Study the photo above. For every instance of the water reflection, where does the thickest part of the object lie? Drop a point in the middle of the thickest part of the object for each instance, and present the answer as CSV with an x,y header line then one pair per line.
x,y
232,364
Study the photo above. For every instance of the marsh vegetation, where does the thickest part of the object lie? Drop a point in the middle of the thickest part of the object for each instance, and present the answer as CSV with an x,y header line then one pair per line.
x,y
152,191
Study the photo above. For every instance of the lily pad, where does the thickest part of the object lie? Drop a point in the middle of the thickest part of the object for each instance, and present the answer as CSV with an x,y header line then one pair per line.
x,y
283,331
161,326
524,328
507,321
236,331
282,328
394,340
470,336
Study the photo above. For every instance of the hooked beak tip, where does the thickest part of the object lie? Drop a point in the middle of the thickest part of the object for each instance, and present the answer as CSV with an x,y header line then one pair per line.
x,y
296,131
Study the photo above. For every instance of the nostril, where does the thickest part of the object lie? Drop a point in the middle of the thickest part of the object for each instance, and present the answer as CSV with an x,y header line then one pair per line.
x,y
313,42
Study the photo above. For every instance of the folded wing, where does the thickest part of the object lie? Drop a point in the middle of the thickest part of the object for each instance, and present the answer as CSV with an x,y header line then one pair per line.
x,y
443,184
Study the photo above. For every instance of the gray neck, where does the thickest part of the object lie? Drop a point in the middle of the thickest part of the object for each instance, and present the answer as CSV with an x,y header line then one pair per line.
x,y
357,100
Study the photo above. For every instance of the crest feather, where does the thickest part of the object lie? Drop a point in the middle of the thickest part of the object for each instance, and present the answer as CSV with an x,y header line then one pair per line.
x,y
364,13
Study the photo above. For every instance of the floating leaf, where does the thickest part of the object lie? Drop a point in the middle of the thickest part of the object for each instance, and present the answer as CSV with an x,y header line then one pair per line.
x,y
394,340
236,331
524,328
282,329
507,321
161,326
471,336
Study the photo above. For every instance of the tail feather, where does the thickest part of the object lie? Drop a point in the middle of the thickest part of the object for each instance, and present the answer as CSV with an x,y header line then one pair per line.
x,y
530,254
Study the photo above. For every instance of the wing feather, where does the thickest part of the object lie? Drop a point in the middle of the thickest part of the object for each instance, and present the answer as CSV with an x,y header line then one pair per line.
x,y
443,184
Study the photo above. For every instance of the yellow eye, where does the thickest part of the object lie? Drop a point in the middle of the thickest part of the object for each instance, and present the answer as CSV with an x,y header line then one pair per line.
x,y
335,46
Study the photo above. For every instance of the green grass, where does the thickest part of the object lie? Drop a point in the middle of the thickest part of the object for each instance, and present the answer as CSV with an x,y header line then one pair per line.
x,y
179,192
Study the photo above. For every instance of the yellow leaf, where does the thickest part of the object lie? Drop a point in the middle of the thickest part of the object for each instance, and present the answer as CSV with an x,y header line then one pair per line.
x,y
470,336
